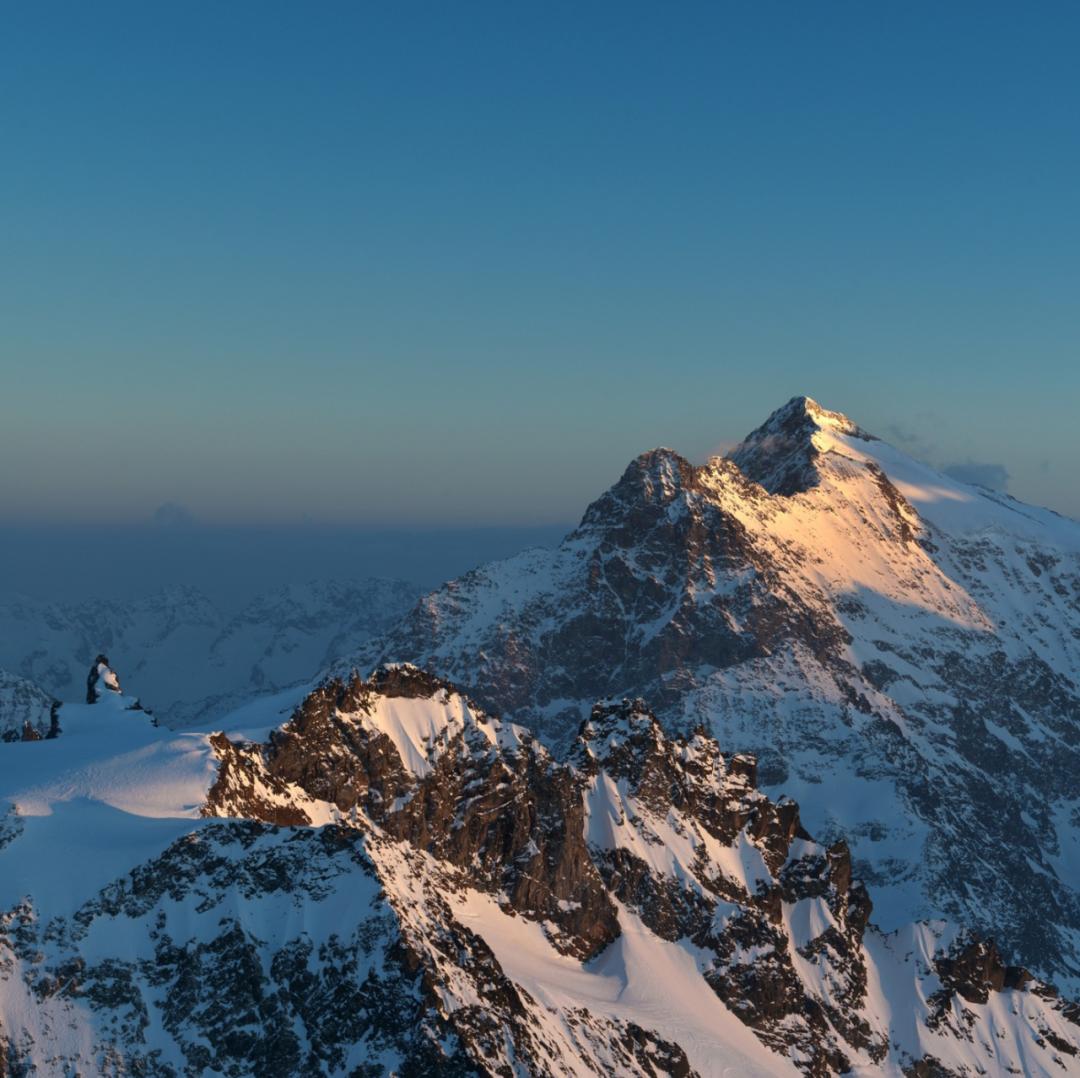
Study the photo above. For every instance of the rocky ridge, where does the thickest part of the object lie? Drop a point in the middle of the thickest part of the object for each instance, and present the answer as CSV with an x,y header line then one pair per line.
x,y
396,881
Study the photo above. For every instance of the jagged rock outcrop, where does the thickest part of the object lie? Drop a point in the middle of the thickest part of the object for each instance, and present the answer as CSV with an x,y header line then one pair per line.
x,y
897,649
101,679
664,831
103,688
479,796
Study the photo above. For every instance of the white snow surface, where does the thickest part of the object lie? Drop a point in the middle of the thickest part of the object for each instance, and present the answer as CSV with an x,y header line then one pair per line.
x,y
109,792
639,978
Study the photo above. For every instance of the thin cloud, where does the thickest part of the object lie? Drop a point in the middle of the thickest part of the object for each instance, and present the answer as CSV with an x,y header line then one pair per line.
x,y
908,439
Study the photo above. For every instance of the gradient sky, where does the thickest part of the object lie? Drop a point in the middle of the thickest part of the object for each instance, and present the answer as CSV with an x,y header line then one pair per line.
x,y
417,265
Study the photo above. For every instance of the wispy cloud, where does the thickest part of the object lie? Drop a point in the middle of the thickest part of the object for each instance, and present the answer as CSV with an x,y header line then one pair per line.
x,y
992,476
909,440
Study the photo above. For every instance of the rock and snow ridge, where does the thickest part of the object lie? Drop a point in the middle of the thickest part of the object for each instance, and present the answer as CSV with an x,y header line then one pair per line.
x,y
897,648
395,881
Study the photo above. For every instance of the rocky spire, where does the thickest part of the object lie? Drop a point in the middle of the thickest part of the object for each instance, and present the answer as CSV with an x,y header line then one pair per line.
x,y
652,482
101,679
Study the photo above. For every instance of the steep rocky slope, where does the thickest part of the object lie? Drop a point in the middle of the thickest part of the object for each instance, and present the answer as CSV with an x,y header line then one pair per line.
x,y
281,637
396,882
900,650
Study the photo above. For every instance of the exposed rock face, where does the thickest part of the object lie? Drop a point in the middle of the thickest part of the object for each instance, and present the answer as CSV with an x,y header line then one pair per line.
x,y
485,799
219,986
897,649
666,830
101,679
782,455
27,713
974,968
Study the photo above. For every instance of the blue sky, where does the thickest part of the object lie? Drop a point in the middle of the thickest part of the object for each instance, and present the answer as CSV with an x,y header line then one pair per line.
x,y
419,265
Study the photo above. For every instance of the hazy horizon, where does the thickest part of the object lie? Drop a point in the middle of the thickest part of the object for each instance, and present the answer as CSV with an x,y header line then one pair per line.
x,y
231,565
1029,472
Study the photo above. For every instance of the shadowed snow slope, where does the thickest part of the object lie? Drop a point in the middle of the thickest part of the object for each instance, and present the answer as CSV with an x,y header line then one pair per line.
x,y
899,649
394,881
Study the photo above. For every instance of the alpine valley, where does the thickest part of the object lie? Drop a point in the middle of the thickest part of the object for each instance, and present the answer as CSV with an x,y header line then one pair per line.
x,y
771,767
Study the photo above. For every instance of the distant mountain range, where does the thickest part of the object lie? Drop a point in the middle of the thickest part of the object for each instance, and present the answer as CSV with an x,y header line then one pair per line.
x,y
186,659
27,712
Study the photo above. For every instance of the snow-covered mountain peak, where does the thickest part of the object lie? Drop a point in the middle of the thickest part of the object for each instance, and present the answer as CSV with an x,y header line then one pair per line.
x,y
421,715
799,446
803,448
896,648
651,480
803,416
661,468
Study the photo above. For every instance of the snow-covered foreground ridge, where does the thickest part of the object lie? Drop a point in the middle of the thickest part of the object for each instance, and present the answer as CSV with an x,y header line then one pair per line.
x,y
900,650
395,882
